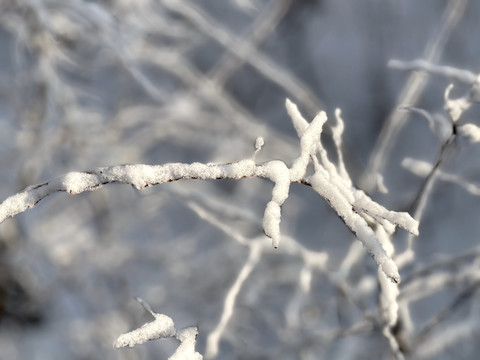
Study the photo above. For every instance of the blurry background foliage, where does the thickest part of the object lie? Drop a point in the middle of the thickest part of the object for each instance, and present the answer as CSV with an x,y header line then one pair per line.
x,y
94,83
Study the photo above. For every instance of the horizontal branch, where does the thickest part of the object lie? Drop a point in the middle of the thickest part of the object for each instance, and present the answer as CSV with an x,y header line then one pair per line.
x,y
140,176
460,75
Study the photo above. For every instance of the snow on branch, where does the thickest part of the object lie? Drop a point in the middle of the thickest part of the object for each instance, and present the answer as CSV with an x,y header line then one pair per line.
x,y
330,181
162,327
470,131
423,169
460,75
334,184
454,107
139,176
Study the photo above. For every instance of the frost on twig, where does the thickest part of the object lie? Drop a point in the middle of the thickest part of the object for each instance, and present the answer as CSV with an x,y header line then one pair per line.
x,y
162,327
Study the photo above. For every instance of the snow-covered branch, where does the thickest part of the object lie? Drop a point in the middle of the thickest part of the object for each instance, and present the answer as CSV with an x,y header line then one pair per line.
x,y
330,181
454,107
140,176
162,327
460,75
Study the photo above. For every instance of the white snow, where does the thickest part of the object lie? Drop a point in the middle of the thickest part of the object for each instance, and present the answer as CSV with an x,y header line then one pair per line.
x,y
470,131
259,142
271,222
161,327
456,107
77,182
309,142
334,184
277,172
298,120
188,341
